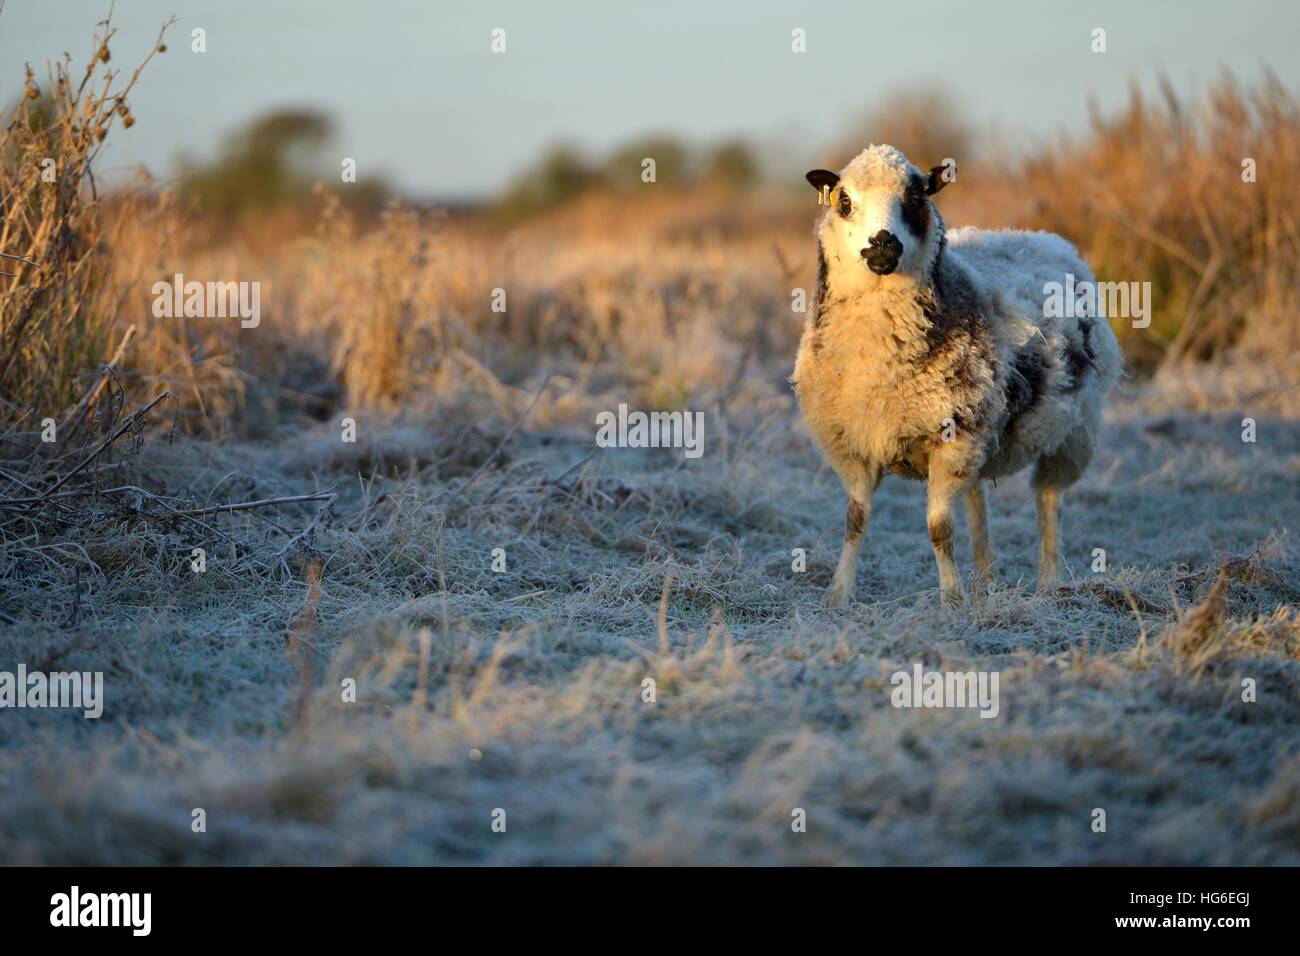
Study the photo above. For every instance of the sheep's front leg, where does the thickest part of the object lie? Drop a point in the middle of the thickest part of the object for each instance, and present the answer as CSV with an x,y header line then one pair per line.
x,y
860,483
977,520
948,478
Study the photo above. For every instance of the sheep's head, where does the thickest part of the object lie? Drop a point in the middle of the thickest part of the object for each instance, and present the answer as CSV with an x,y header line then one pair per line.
x,y
879,216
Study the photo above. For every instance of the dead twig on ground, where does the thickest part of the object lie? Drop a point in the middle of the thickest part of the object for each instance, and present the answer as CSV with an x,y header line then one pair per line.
x,y
327,496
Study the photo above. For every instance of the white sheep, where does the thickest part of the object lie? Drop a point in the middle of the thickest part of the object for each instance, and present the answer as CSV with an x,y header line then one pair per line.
x,y
930,355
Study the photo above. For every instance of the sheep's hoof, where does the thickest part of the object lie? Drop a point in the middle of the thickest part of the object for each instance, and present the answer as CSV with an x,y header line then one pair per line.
x,y
952,597
836,596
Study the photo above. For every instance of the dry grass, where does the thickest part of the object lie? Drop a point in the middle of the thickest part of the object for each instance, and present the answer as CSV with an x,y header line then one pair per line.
x,y
674,293
1161,198
58,305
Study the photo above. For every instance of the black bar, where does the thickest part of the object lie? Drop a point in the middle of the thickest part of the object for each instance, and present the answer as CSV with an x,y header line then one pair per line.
x,y
337,905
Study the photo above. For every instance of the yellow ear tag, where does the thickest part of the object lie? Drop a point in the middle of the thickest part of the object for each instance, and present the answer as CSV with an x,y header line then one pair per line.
x,y
824,197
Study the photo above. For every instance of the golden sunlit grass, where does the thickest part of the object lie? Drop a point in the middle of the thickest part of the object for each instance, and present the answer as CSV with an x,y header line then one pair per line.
x,y
58,306
1158,194
678,294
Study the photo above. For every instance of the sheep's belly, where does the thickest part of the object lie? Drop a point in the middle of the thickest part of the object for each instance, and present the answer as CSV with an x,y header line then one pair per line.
x,y
1009,459
1038,432
913,462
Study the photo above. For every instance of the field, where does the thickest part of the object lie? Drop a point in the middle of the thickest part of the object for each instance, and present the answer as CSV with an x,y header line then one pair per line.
x,y
523,690
391,640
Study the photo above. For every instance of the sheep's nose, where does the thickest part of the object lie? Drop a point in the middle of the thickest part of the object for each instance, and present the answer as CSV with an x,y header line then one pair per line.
x,y
883,252
883,243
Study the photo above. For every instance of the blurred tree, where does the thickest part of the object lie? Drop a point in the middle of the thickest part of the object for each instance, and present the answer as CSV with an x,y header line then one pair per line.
x,y
564,173
624,167
926,123
41,115
732,165
272,161
560,175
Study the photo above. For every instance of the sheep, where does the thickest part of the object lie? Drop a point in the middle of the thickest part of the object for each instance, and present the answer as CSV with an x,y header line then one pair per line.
x,y
931,355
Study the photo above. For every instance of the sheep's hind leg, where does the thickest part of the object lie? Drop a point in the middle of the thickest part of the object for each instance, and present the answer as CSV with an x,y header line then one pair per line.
x,y
1055,473
977,520
1049,513
860,483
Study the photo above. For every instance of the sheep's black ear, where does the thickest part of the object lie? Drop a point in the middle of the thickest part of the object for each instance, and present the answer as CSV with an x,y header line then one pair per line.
x,y
936,181
823,179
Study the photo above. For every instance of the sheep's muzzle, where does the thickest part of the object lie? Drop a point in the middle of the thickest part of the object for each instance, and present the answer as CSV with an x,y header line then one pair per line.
x,y
883,252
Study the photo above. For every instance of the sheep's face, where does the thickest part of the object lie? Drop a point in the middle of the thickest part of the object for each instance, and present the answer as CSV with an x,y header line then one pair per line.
x,y
879,218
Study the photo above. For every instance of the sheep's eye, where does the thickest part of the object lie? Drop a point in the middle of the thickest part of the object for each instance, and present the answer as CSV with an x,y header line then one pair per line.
x,y
913,197
846,205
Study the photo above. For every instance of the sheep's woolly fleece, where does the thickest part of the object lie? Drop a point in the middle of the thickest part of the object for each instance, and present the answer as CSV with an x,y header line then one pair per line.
x,y
936,359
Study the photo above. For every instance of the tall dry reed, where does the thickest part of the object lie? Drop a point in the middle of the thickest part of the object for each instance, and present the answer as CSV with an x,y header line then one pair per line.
x,y
57,305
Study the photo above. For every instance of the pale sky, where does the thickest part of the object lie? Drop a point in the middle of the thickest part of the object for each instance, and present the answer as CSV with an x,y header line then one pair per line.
x,y
416,91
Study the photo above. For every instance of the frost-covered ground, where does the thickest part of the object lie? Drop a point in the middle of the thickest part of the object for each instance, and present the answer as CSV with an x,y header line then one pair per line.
x,y
522,691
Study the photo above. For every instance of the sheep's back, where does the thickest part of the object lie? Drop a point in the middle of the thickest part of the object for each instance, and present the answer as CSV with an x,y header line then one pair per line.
x,y
1016,265
1059,366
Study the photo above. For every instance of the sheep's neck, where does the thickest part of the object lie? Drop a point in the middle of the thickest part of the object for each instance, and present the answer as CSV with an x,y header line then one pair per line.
x,y
884,324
